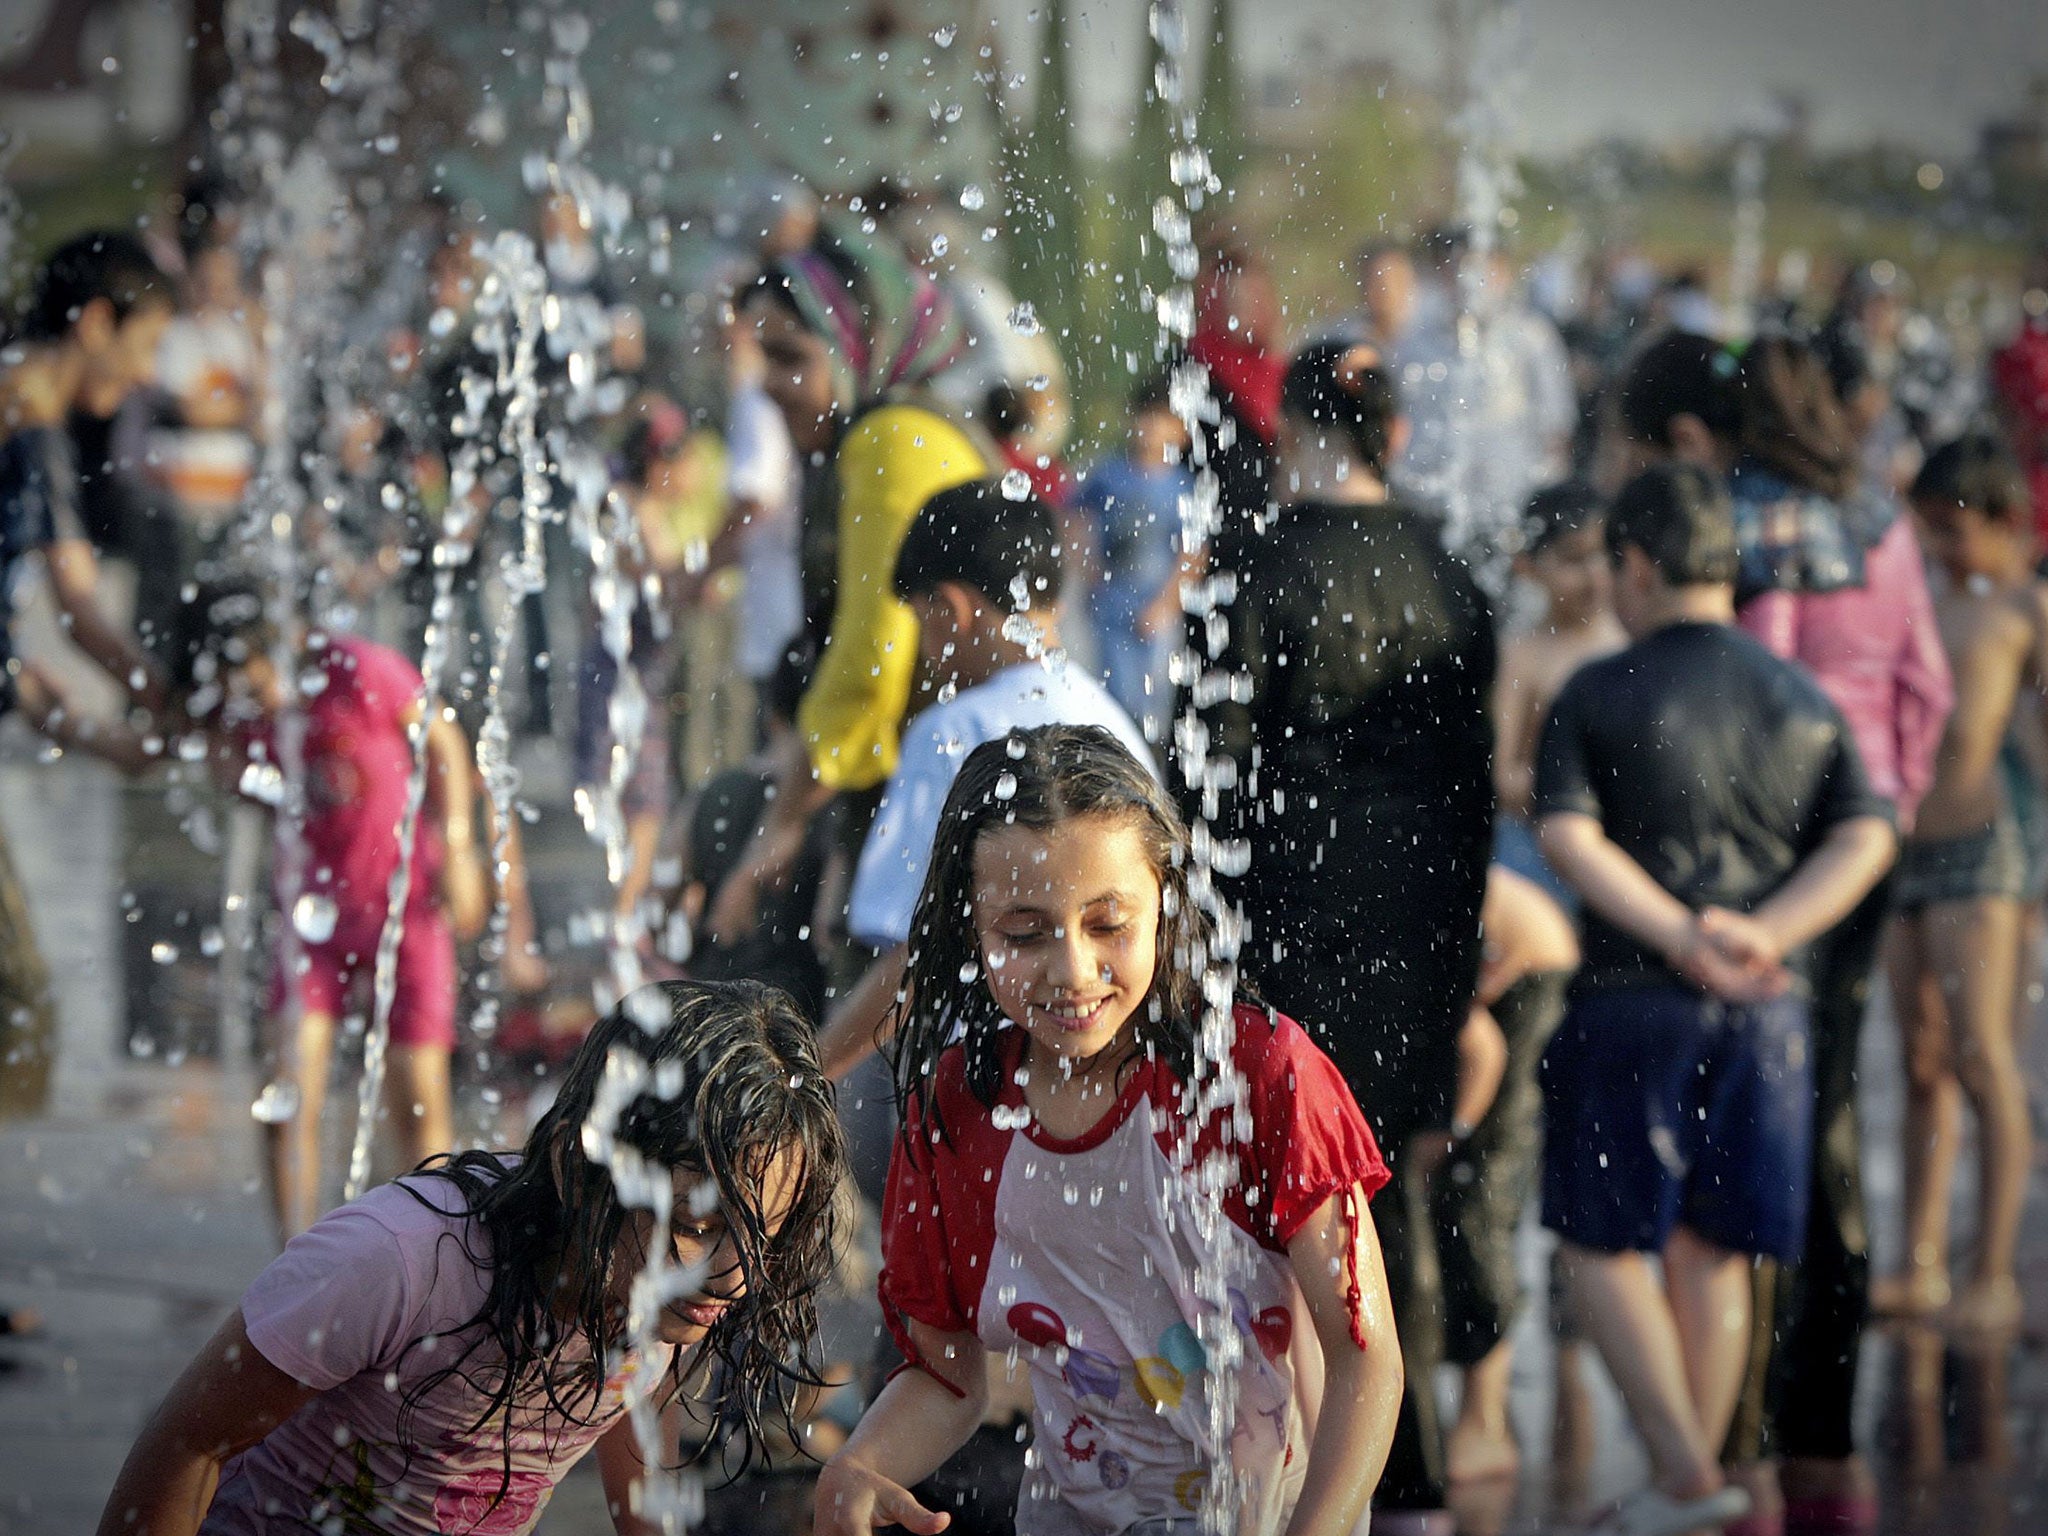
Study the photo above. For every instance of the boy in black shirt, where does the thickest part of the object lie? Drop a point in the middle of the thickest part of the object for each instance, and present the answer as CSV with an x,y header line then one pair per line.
x,y
1706,800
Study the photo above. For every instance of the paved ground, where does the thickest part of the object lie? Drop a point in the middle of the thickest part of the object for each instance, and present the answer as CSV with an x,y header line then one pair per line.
x,y
130,1216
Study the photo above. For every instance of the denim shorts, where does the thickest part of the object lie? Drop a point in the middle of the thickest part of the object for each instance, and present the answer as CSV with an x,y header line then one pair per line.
x,y
1664,1106
1973,867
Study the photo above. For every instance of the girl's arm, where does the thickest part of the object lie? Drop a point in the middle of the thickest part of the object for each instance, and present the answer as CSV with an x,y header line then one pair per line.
x,y
1362,1383
906,1436
451,775
229,1398
620,1467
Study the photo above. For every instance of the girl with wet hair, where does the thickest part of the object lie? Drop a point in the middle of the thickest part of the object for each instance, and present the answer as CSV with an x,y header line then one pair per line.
x,y
437,1355
1043,1202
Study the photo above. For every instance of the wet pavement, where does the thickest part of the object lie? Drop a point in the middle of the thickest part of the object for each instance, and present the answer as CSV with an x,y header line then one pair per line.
x,y
131,1215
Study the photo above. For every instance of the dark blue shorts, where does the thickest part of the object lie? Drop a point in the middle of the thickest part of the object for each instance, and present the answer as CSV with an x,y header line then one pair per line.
x,y
1662,1106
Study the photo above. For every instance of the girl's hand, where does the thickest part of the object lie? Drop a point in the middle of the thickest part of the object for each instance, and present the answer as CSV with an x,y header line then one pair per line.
x,y
854,1500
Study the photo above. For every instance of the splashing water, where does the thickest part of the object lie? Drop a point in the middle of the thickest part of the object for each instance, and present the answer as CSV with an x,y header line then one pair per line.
x,y
1217,1090
1477,516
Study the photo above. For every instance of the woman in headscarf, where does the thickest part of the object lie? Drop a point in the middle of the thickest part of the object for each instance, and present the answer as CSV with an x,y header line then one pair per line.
x,y
853,334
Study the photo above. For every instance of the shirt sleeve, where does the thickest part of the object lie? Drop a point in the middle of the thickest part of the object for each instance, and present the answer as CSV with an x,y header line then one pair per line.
x,y
1309,1140
898,850
1845,791
1564,771
890,464
388,681
917,1256
338,1301
1925,689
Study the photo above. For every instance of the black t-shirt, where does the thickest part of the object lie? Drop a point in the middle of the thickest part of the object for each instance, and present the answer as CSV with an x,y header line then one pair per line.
x,y
1709,761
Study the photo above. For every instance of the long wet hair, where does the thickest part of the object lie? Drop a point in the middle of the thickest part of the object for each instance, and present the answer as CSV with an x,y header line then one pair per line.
x,y
1792,422
552,1233
1039,778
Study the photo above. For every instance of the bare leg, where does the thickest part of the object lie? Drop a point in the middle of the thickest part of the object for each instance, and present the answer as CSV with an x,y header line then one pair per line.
x,y
1709,1289
294,1147
1618,1305
1482,1443
1933,1125
1573,1428
420,1102
1976,950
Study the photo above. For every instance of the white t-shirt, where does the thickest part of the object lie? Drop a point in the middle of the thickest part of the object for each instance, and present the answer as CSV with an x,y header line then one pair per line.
x,y
761,468
935,743
207,469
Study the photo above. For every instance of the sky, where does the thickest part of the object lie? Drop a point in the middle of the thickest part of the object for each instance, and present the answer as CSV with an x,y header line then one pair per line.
x,y
1921,72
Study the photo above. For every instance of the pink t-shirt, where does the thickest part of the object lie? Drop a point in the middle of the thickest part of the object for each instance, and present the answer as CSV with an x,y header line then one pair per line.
x,y
1876,652
359,763
364,1306
1081,1256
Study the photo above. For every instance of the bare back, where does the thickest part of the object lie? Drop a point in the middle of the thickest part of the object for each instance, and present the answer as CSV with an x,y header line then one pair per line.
x,y
1996,642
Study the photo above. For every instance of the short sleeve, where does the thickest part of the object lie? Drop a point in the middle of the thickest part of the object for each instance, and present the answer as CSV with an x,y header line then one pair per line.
x,y
387,683
917,1258
1309,1139
1845,791
1564,769
337,1302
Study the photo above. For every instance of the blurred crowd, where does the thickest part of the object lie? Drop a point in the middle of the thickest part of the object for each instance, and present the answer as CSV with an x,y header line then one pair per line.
x,y
1625,685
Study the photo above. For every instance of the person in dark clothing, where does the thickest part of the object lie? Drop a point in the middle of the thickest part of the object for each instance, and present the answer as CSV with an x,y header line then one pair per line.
x,y
1363,753
1707,800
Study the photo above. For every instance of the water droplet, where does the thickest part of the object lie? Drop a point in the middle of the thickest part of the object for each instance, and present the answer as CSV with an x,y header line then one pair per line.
x,y
1024,320
163,952
211,943
970,973
277,1104
944,36
1015,748
1016,485
972,197
940,245
314,917
1070,1194
1006,785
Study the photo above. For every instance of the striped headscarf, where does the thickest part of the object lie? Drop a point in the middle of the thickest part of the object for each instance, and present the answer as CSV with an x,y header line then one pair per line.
x,y
886,323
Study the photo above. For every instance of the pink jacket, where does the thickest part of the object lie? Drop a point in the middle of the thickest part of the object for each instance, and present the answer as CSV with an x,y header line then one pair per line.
x,y
1876,651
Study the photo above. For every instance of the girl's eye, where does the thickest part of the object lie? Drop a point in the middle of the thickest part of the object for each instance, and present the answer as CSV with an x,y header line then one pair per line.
x,y
1019,940
1111,930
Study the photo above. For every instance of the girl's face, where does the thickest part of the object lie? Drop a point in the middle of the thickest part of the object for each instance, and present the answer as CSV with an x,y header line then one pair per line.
x,y
799,374
1068,923
702,1236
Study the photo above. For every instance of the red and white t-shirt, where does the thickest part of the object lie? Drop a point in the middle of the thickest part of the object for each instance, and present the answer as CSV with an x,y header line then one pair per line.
x,y
1080,1257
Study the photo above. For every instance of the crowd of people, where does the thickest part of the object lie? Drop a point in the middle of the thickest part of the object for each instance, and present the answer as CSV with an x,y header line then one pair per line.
x,y
1608,701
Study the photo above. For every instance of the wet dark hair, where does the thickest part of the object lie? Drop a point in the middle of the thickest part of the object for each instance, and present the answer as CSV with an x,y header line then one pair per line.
x,y
1976,471
1792,421
977,536
1038,778
225,625
728,1079
104,264
1558,510
1320,392
1679,516
1679,375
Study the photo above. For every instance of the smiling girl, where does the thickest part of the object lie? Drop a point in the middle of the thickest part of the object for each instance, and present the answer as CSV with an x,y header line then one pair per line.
x,y
435,1357
1040,1205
